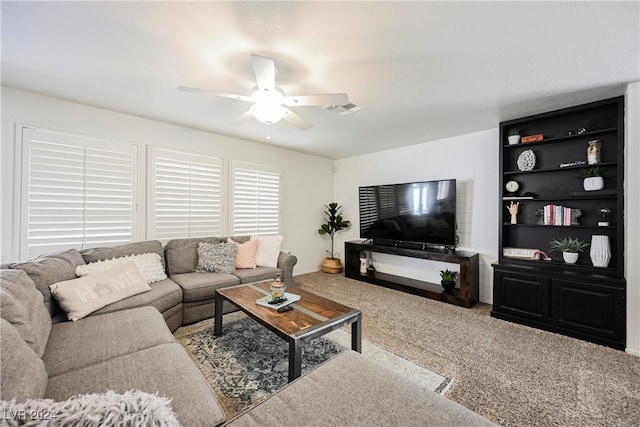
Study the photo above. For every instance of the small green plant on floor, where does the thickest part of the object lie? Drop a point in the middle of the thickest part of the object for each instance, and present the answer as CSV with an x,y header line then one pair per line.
x,y
333,222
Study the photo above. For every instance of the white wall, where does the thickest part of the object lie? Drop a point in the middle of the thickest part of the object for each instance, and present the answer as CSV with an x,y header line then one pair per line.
x,y
472,159
632,215
307,180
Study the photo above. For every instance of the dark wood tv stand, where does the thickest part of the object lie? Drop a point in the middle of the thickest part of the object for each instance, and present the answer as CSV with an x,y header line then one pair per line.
x,y
466,296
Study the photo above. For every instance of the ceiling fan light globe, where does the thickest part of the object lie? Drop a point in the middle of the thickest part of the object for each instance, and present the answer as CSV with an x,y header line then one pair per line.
x,y
267,113
268,97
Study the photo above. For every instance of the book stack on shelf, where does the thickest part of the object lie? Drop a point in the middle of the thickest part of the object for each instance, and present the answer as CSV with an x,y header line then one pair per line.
x,y
558,215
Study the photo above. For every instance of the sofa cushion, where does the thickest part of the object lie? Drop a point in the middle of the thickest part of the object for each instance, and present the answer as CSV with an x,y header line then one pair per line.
x,y
21,370
100,254
163,295
48,269
79,297
182,254
257,274
74,345
21,305
202,286
149,265
217,257
246,257
165,369
353,389
268,250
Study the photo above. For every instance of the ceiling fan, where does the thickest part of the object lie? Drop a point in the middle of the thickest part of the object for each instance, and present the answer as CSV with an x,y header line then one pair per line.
x,y
270,104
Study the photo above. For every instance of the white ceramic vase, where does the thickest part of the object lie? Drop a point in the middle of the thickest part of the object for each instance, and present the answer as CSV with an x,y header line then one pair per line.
x,y
593,183
513,139
363,265
600,251
570,257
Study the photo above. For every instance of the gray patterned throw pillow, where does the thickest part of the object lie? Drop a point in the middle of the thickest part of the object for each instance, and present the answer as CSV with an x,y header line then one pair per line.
x,y
217,257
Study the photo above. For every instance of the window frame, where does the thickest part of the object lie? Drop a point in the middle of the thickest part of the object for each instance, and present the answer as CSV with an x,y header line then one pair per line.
x,y
239,164
22,184
152,153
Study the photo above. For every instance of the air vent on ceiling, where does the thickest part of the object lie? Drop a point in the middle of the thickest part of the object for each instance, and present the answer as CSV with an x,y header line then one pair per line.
x,y
344,110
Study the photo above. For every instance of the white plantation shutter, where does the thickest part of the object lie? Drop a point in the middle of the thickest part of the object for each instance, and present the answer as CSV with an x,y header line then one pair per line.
x,y
186,195
79,192
255,200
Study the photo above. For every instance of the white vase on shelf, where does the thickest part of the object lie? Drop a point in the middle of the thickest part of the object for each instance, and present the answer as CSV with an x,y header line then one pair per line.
x,y
600,251
364,262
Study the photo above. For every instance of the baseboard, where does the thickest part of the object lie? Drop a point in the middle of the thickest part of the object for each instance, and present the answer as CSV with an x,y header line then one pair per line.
x,y
632,352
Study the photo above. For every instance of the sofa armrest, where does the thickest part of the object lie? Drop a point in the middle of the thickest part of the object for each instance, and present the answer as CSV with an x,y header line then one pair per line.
x,y
286,262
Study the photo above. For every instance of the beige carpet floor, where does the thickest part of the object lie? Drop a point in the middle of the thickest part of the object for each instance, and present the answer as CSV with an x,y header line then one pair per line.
x,y
512,374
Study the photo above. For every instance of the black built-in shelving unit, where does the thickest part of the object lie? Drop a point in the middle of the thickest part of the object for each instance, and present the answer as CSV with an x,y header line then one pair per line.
x,y
579,299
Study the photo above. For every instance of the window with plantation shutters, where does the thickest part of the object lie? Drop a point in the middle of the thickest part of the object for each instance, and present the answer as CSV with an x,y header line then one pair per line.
x,y
255,199
186,195
78,192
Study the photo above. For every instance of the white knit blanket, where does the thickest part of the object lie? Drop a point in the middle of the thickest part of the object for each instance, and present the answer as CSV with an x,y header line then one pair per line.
x,y
132,408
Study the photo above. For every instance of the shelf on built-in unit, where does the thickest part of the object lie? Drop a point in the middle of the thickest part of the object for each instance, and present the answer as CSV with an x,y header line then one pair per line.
x,y
552,226
563,138
519,172
561,266
561,198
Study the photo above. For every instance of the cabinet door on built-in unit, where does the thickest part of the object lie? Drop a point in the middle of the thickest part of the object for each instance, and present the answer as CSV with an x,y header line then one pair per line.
x,y
521,295
585,307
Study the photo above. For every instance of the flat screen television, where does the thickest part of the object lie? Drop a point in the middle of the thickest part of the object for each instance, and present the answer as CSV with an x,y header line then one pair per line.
x,y
418,215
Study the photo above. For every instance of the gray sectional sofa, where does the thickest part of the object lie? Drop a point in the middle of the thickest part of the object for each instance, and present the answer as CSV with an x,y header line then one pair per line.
x,y
128,345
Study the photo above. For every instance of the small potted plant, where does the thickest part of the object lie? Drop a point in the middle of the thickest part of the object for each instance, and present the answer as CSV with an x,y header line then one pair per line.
x,y
514,136
593,180
570,248
448,277
333,222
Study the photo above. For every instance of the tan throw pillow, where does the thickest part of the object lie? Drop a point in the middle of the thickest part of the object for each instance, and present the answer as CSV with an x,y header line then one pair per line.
x,y
246,257
80,297
149,265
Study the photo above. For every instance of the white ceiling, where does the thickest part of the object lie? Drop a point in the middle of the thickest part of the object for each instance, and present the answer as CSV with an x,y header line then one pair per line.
x,y
423,70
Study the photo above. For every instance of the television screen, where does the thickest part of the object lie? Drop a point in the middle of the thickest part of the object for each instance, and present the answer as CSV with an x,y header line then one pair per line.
x,y
417,212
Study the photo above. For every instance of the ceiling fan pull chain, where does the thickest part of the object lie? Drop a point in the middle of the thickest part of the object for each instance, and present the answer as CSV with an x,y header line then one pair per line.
x,y
268,130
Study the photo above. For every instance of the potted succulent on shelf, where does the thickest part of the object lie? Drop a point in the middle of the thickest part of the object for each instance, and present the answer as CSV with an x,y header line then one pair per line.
x,y
514,136
593,180
570,248
448,277
333,222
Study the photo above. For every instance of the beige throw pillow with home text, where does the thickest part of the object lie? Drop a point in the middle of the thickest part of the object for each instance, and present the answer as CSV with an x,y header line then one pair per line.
x,y
82,296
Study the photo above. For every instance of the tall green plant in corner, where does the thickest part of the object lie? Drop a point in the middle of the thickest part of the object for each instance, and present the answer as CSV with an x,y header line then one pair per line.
x,y
333,222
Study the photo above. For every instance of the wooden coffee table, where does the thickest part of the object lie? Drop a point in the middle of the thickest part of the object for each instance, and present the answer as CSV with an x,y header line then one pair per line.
x,y
311,317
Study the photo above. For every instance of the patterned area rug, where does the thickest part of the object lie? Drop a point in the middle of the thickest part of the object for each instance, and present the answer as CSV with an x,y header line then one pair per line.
x,y
248,363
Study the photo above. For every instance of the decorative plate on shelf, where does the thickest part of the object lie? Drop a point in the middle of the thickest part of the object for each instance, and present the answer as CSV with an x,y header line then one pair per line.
x,y
526,160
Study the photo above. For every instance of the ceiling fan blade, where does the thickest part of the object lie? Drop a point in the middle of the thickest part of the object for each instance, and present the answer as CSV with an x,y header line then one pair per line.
x,y
325,99
243,118
296,120
265,71
214,93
